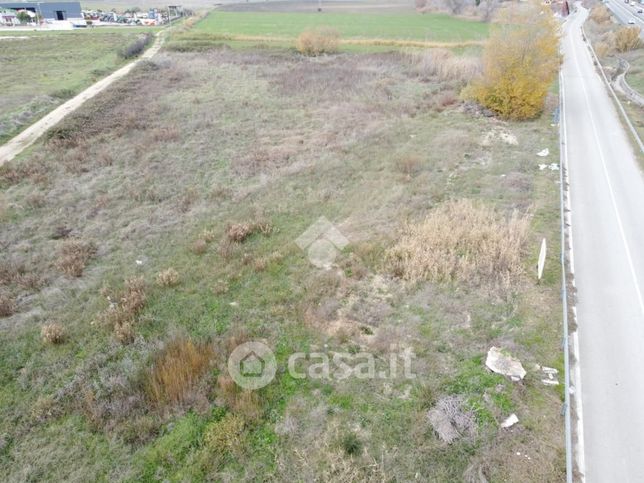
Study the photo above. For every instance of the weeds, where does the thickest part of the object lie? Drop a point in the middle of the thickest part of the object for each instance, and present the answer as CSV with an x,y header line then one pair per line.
x,y
239,232
225,435
137,47
443,64
241,402
52,333
124,308
351,444
74,256
199,246
168,277
7,304
461,241
318,41
176,370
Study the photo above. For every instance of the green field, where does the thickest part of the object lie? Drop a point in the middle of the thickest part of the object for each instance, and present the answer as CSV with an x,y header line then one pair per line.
x,y
413,26
42,70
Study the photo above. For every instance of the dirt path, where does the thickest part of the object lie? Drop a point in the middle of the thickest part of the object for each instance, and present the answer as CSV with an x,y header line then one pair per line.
x,y
27,137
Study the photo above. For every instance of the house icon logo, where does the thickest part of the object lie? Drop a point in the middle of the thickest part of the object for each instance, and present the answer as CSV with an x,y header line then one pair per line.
x,y
252,365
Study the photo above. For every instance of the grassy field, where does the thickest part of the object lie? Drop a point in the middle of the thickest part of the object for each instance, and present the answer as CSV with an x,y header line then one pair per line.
x,y
40,70
166,168
411,26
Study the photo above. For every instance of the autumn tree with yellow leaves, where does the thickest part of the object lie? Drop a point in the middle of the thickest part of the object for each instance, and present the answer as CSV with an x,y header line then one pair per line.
x,y
520,62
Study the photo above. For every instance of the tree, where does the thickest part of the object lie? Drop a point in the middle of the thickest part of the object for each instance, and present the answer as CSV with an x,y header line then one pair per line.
x,y
520,61
23,16
455,6
627,38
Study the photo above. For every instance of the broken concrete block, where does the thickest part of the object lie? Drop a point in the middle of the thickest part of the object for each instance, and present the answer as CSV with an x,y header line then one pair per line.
x,y
510,421
504,364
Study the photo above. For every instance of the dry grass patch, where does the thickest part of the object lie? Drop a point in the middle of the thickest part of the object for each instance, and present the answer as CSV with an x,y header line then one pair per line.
x,y
199,246
52,333
241,402
124,308
461,241
7,304
74,256
177,370
444,64
239,232
168,278
318,41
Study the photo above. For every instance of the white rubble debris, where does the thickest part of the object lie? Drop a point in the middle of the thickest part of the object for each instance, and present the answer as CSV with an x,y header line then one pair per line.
x,y
510,421
504,364
551,167
543,153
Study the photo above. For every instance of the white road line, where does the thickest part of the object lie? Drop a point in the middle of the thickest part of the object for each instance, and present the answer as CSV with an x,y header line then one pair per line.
x,y
609,184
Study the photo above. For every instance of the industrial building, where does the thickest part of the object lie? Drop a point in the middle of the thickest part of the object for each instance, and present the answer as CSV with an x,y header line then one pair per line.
x,y
48,11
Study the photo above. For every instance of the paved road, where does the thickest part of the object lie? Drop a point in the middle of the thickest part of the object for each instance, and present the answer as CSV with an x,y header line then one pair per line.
x,y
607,213
625,12
26,138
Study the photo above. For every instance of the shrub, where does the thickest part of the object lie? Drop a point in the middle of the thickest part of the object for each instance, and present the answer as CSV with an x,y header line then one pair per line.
x,y
604,48
520,62
7,304
461,241
627,38
351,444
137,47
122,313
199,246
238,232
600,14
176,371
74,255
225,435
168,277
52,333
318,41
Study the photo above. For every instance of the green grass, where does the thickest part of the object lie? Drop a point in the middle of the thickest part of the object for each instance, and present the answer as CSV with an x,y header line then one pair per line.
x,y
329,138
413,26
43,70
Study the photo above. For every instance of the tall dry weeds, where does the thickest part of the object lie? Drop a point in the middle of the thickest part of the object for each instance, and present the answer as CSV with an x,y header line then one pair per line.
x,y
443,64
461,241
176,371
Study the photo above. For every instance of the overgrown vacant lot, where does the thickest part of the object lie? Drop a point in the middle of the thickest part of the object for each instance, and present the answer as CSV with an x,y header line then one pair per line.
x,y
155,230
42,70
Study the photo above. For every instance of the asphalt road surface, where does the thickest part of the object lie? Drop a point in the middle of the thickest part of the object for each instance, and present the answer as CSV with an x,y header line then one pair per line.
x,y
607,213
627,13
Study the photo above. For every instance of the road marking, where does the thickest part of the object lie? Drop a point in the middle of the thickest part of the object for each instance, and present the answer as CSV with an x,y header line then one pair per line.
x,y
609,184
